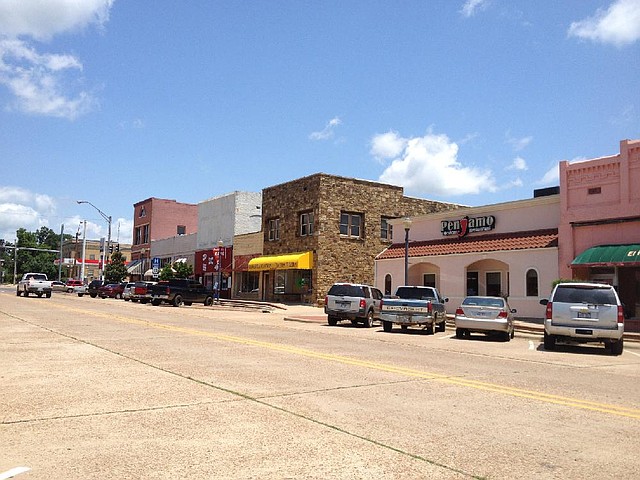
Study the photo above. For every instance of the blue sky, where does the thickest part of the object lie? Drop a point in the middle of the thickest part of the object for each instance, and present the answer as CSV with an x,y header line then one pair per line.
x,y
472,102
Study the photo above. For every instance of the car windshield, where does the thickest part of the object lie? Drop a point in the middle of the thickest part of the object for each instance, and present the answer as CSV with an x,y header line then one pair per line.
x,y
483,302
346,291
585,294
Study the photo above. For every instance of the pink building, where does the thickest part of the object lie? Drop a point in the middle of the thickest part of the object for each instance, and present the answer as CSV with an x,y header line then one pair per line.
x,y
156,219
507,249
599,232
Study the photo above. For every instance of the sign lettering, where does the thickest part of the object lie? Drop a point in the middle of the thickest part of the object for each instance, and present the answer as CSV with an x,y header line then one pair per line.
x,y
467,225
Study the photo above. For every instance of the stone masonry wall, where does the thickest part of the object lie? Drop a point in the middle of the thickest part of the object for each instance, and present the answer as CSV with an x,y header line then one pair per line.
x,y
337,258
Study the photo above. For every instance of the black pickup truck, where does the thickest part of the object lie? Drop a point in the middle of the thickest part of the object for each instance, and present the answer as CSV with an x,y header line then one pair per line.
x,y
179,291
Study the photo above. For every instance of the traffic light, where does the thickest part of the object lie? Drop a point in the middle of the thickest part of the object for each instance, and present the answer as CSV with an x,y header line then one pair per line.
x,y
117,247
110,249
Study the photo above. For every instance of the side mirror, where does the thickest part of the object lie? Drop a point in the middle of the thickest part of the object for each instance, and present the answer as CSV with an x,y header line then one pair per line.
x,y
544,301
446,299
513,310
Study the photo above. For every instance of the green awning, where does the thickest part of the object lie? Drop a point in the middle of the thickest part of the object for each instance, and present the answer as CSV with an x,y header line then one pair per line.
x,y
609,255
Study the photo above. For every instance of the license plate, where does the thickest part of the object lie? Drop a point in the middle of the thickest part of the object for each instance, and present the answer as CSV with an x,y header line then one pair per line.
x,y
582,331
343,304
584,315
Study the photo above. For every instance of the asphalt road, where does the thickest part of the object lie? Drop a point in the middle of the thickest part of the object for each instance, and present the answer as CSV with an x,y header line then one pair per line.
x,y
95,389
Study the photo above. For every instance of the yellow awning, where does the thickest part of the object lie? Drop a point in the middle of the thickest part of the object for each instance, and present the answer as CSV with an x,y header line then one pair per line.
x,y
301,261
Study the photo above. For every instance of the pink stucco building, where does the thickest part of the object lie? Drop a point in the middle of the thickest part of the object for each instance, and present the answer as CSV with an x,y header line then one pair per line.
x,y
599,231
507,249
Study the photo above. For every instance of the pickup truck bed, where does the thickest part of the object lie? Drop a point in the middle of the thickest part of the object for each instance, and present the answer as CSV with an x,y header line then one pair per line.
x,y
414,305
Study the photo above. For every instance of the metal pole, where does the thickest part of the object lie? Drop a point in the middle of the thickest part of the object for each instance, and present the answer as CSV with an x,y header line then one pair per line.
x,y
84,250
60,264
406,256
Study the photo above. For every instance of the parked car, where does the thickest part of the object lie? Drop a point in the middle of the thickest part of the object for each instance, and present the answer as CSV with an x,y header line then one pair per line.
x,y
140,292
71,283
351,301
57,286
127,291
414,305
485,315
111,290
584,312
94,285
179,291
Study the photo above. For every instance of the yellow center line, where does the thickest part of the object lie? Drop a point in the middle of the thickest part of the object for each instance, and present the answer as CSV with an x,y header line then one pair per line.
x,y
409,372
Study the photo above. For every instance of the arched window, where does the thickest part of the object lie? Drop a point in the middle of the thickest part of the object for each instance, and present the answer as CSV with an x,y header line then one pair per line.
x,y
532,283
387,284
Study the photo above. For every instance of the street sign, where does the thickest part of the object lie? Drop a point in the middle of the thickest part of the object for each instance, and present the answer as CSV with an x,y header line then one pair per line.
x,y
155,266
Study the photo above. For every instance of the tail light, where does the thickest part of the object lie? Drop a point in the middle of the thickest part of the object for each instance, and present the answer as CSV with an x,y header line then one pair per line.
x,y
503,314
381,302
326,300
549,312
621,315
168,291
459,311
429,307
363,304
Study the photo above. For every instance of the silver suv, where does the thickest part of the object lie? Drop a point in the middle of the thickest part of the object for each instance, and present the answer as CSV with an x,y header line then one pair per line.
x,y
352,301
584,312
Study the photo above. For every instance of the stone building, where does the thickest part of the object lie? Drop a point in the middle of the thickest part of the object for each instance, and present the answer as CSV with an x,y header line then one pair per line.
x,y
322,229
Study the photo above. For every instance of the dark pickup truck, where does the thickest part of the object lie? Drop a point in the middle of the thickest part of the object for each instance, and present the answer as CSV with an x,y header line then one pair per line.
x,y
179,291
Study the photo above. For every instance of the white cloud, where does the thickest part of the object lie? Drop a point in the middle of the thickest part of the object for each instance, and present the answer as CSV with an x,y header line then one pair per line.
x,y
618,25
42,20
429,166
328,131
519,163
551,177
37,81
388,145
41,82
470,7
21,208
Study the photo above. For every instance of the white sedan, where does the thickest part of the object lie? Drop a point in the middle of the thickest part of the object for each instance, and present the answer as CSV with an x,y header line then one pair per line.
x,y
485,315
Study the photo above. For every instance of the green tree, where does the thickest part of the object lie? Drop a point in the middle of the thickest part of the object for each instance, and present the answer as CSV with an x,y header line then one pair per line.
x,y
167,272
115,271
183,270
32,260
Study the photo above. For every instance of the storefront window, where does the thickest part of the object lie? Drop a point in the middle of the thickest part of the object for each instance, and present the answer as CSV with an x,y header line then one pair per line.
x,y
472,283
249,281
494,285
532,283
429,280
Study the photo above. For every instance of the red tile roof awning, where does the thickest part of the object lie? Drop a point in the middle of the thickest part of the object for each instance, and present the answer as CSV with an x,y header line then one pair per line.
x,y
482,243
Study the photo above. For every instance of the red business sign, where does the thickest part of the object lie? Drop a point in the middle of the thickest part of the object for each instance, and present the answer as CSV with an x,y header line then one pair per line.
x,y
212,260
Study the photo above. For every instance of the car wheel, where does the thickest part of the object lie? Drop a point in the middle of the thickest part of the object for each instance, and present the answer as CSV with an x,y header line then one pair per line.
x,y
404,328
93,295
368,322
48,295
549,341
459,333
25,294
617,347
144,301
177,301
513,332
208,301
39,295
429,330
17,292
387,326
80,294
442,326
506,336
69,290
332,321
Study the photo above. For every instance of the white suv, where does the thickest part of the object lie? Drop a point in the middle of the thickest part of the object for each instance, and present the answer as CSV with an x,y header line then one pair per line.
x,y
584,312
352,301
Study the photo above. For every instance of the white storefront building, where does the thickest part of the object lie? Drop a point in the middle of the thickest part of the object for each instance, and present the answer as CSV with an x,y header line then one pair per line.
x,y
507,249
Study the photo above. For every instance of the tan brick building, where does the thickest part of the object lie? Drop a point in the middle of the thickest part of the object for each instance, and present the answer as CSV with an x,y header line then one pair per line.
x,y
322,229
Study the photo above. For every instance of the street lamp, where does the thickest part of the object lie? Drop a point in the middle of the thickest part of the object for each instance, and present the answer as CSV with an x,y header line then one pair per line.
x,y
108,219
406,223
220,245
